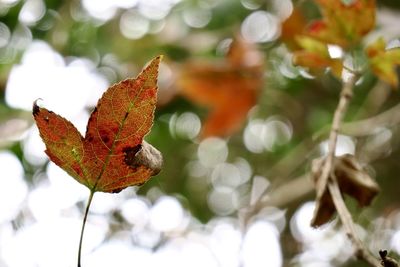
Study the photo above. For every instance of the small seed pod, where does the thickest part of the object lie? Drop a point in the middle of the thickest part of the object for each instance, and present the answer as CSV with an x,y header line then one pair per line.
x,y
387,261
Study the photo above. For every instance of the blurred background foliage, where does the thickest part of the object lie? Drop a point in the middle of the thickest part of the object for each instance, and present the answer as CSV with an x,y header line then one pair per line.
x,y
69,52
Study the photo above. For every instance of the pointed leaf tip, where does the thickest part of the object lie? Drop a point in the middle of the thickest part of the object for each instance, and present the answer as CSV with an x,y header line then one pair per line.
x,y
155,62
36,108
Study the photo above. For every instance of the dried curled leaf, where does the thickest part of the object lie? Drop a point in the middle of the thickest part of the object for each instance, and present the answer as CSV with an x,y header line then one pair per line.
x,y
229,89
112,155
353,180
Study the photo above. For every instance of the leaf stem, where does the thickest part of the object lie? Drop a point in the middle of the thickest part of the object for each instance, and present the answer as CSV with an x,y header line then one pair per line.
x,y
83,225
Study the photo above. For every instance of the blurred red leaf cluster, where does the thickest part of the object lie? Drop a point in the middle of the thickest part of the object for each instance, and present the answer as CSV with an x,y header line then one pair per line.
x,y
228,88
339,25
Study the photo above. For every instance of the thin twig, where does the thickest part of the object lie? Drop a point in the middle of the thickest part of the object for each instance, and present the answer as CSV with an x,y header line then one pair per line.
x,y
347,221
296,188
364,127
373,102
345,96
294,159
327,172
366,119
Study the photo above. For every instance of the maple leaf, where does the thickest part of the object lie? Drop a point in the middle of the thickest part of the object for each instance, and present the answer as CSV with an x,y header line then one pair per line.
x,y
112,155
229,89
383,62
340,23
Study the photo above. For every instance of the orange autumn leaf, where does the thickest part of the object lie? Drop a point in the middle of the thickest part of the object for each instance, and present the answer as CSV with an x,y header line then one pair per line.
x,y
343,23
229,89
383,62
112,155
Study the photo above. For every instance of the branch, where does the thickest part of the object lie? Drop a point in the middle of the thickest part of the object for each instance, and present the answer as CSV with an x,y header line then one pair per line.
x,y
375,99
301,186
324,182
298,155
282,196
361,127
387,118
347,221
345,96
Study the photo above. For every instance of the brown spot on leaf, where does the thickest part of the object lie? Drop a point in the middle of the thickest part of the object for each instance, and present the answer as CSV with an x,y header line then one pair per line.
x,y
105,138
130,156
90,138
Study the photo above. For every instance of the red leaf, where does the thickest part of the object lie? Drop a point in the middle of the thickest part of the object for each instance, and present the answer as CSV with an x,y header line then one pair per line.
x,y
112,156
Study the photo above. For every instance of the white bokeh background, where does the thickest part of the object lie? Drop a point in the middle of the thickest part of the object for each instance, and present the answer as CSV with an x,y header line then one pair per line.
x,y
159,233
